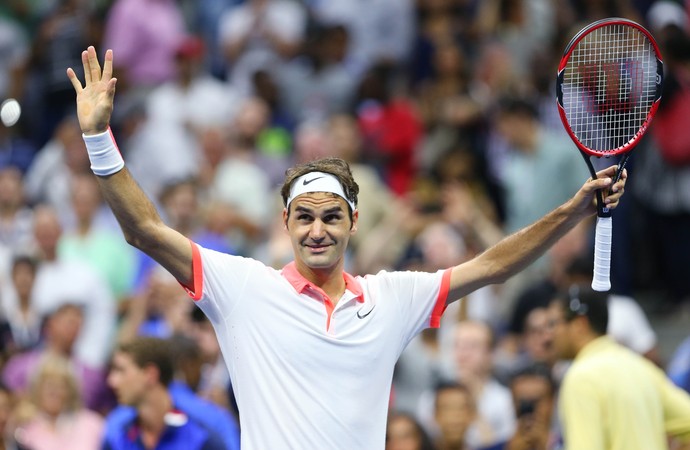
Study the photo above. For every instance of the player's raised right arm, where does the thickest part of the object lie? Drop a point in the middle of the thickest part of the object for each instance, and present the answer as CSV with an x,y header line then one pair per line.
x,y
138,218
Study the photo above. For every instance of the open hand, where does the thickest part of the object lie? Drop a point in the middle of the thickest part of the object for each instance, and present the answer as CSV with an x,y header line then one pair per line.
x,y
95,99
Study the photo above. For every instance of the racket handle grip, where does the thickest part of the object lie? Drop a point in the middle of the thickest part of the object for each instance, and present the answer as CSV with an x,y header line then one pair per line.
x,y
602,254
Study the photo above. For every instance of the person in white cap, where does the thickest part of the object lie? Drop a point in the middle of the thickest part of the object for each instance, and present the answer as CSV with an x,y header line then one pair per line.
x,y
310,348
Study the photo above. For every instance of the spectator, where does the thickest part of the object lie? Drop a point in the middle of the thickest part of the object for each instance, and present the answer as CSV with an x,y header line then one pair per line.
x,y
260,34
16,151
535,154
522,26
317,85
141,373
241,182
145,48
14,48
59,281
52,417
214,380
454,412
384,34
449,113
663,262
265,86
611,398
21,322
534,397
192,99
391,128
529,337
49,177
15,216
344,139
494,422
404,432
60,333
206,22
155,310
181,203
63,29
188,375
628,323
418,371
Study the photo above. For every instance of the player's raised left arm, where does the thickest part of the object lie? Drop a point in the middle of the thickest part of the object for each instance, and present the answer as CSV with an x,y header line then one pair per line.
x,y
520,249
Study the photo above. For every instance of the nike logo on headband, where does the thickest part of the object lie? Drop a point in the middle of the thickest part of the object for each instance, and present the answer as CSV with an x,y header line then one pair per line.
x,y
306,182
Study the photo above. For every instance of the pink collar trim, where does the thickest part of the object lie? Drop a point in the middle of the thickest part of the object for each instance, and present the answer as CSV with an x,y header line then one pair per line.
x,y
300,283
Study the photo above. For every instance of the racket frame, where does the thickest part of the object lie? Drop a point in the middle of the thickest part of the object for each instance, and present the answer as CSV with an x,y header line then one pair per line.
x,y
601,281
561,72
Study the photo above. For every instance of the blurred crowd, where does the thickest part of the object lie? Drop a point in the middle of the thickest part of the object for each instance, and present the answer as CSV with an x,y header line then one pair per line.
x,y
445,110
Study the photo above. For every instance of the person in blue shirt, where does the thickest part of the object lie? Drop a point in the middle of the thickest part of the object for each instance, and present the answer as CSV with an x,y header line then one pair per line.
x,y
141,374
184,388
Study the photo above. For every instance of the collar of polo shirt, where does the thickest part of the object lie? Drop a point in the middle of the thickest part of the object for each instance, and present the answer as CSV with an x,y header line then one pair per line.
x,y
300,283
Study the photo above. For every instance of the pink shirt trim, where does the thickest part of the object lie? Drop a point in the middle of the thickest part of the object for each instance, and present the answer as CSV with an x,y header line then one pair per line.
x,y
441,301
196,290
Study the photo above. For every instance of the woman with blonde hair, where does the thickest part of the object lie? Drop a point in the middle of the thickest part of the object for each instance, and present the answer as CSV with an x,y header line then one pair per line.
x,y
52,416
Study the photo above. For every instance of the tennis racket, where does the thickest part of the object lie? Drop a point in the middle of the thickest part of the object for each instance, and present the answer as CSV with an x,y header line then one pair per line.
x,y
608,89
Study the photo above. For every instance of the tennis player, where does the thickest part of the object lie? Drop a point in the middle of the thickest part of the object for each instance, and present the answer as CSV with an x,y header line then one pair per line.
x,y
310,348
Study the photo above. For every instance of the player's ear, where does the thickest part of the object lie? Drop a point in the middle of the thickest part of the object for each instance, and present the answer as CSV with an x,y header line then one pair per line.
x,y
355,219
286,215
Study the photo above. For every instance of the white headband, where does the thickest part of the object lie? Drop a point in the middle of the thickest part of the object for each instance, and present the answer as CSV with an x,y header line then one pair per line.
x,y
317,182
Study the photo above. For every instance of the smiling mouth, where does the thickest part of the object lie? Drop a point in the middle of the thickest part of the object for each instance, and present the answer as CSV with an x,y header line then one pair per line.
x,y
317,248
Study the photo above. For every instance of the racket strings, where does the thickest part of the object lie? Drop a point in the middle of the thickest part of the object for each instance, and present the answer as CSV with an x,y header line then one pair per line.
x,y
609,87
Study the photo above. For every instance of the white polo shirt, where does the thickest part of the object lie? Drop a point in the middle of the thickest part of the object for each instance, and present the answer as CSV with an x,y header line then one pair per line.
x,y
308,375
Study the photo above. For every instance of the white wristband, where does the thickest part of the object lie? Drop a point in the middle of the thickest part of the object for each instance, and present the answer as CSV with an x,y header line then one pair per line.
x,y
104,155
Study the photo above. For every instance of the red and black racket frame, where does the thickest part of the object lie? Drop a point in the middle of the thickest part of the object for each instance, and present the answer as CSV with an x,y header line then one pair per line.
x,y
624,150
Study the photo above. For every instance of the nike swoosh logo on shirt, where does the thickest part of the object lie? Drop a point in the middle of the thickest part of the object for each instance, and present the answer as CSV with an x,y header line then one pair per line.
x,y
362,315
306,182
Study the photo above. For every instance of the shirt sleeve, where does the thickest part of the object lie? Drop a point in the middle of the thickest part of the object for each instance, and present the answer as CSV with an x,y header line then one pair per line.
x,y
220,281
419,296
676,404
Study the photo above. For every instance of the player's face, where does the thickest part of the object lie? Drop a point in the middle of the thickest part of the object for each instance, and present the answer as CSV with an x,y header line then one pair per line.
x,y
128,381
320,228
